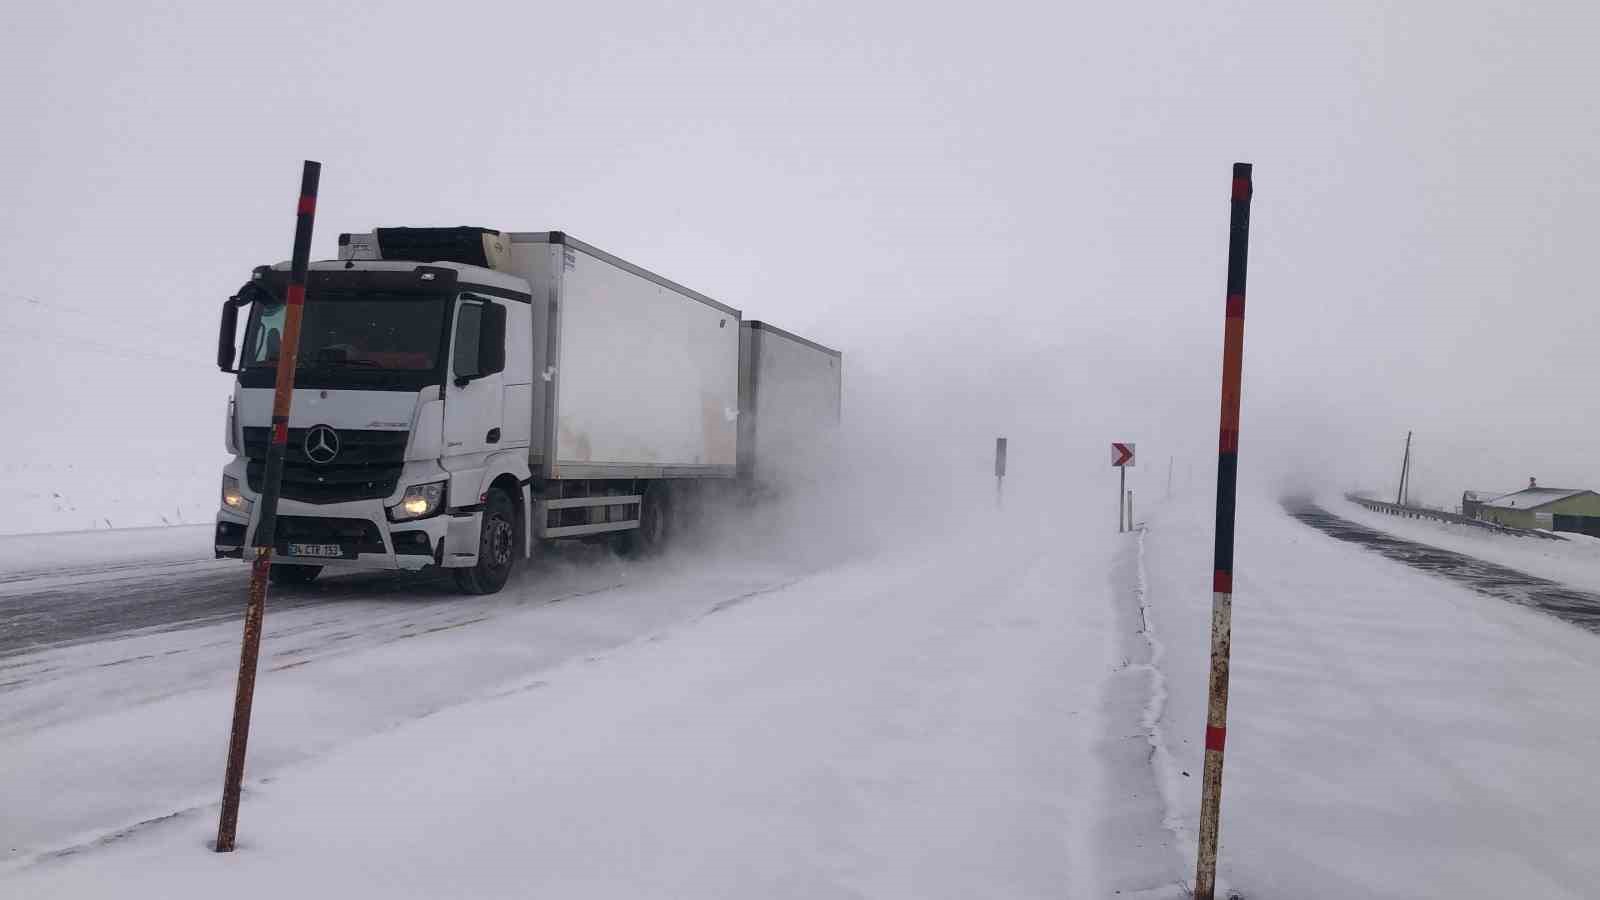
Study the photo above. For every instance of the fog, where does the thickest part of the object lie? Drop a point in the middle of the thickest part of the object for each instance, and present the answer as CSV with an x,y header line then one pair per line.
x,y
1011,218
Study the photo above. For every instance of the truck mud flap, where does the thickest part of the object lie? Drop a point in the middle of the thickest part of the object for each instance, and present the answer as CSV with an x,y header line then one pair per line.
x,y
461,540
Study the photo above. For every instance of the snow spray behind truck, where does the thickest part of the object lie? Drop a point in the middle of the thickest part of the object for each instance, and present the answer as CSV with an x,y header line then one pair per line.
x,y
464,393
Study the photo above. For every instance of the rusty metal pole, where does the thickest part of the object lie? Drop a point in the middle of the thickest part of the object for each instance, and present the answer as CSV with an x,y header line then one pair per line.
x,y
1205,878
266,522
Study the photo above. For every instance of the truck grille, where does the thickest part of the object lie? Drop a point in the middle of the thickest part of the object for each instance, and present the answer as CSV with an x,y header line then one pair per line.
x,y
367,466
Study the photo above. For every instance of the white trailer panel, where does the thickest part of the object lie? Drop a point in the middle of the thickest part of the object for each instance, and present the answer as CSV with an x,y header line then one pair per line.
x,y
643,373
790,394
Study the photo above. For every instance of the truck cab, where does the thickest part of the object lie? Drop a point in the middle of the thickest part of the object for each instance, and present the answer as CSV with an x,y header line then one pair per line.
x,y
411,420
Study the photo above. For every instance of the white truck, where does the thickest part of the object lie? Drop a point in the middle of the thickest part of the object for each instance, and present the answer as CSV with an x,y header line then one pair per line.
x,y
464,393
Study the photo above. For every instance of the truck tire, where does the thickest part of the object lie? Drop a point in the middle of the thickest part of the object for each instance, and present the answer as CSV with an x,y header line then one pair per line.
x,y
284,574
497,548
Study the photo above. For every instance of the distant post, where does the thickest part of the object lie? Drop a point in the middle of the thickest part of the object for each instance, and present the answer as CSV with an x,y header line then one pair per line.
x,y
999,470
266,524
1122,458
1222,569
1405,471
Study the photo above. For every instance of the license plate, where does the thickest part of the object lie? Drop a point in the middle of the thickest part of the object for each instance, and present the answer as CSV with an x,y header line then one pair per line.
x,y
325,551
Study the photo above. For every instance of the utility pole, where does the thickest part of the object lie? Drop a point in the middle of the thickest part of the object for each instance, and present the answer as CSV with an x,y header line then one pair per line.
x,y
1406,499
1405,468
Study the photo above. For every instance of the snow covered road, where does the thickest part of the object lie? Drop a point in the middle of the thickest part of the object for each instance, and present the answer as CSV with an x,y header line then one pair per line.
x,y
1009,712
98,734
930,723
944,721
55,592
1581,608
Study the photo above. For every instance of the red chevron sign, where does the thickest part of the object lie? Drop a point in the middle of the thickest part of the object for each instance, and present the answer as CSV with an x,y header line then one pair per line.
x,y
1121,455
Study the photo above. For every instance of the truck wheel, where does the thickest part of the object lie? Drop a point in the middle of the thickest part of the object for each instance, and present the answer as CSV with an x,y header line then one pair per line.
x,y
292,575
654,525
653,521
497,548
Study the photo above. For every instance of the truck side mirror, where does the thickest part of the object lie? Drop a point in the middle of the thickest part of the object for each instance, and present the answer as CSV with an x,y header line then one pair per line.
x,y
492,340
225,334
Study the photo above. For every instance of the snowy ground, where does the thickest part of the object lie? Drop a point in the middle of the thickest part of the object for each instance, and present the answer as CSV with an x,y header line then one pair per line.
x,y
930,723
982,714
1390,734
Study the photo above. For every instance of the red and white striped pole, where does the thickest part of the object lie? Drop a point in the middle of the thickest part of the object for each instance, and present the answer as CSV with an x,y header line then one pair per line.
x,y
266,523
1222,576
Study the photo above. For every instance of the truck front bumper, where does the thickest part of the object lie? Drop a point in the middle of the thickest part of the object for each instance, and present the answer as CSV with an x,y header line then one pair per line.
x,y
360,532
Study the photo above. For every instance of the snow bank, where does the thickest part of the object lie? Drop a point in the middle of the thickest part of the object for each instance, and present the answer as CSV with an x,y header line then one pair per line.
x,y
1391,735
42,497
28,556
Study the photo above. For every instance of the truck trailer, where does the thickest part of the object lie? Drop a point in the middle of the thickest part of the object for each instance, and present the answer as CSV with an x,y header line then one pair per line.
x,y
463,394
791,391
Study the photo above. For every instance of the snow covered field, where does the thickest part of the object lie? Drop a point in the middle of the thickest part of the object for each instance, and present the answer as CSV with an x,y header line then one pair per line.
x,y
124,410
974,715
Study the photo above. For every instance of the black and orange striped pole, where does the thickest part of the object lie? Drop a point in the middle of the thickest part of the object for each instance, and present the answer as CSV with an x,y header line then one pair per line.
x,y
1222,575
267,521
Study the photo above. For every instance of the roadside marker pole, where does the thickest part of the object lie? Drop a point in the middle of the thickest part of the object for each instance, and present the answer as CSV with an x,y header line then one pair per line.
x,y
1122,499
266,524
1222,577
999,471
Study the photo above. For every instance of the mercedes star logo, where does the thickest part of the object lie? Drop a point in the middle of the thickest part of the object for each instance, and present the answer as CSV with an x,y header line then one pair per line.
x,y
322,444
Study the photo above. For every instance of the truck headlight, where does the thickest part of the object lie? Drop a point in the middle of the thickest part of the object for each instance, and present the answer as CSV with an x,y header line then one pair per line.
x,y
420,501
232,498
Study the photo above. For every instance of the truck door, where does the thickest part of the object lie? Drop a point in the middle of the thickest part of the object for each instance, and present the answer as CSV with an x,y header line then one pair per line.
x,y
474,389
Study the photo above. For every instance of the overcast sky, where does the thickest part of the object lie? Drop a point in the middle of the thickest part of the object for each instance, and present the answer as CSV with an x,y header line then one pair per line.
x,y
1010,216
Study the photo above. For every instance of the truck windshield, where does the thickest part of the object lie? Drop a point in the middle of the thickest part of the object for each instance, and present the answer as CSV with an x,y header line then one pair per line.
x,y
354,340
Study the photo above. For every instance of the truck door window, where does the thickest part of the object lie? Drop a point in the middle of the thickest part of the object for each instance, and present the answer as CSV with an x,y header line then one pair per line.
x,y
266,337
469,325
